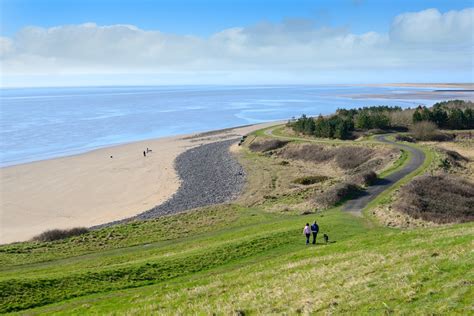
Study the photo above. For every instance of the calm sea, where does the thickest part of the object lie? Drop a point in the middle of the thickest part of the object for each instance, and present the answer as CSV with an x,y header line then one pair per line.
x,y
42,123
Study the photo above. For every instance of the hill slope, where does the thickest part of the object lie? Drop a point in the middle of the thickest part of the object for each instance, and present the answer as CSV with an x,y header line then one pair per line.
x,y
243,259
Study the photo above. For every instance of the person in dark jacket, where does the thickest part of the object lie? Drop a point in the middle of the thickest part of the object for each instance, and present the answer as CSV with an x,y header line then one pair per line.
x,y
315,230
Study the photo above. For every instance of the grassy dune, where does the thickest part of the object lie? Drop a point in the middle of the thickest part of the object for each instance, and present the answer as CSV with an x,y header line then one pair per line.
x,y
245,258
257,263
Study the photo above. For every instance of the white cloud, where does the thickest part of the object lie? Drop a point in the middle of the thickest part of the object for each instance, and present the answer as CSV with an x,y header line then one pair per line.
x,y
292,49
432,27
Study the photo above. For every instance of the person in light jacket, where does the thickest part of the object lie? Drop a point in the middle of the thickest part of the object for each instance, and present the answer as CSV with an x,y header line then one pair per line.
x,y
307,232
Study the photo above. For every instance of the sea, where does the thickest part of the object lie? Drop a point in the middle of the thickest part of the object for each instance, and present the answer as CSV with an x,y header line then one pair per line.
x,y
43,123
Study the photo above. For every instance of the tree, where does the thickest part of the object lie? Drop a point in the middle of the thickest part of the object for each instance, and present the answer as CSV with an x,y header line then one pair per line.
x,y
380,120
417,116
342,130
469,115
439,116
363,121
456,119
309,127
426,114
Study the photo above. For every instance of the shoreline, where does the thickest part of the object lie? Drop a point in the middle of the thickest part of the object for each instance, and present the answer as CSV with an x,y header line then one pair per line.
x,y
73,153
91,189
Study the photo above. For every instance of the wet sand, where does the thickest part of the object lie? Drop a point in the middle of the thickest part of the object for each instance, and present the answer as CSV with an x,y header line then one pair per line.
x,y
440,91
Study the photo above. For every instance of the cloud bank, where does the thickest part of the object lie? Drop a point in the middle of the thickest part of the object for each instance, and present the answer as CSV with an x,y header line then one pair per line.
x,y
294,50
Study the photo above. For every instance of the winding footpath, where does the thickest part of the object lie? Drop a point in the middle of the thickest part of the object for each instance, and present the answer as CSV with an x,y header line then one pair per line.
x,y
355,206
417,157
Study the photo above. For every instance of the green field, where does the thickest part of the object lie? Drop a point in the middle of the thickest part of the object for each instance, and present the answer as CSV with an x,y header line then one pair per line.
x,y
232,259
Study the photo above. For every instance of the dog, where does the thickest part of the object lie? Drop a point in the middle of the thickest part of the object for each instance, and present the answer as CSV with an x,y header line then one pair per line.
x,y
326,238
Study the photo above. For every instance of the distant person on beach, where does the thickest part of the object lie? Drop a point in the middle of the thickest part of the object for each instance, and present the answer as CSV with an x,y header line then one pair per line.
x,y
307,232
144,153
315,230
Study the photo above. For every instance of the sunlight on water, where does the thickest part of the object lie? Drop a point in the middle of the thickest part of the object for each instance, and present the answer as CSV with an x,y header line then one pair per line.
x,y
43,123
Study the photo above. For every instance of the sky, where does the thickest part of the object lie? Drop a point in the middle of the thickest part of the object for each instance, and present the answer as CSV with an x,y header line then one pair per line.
x,y
143,42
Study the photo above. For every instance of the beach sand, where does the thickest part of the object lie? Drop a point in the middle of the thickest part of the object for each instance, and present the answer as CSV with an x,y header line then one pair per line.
x,y
463,91
93,188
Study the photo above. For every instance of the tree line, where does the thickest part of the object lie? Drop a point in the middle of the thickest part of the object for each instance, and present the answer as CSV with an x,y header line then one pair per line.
x,y
455,114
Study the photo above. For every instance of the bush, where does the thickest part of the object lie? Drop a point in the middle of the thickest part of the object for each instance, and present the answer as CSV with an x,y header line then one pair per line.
x,y
310,180
346,157
405,138
453,159
438,198
266,145
56,234
400,119
424,130
308,152
365,178
338,193
349,157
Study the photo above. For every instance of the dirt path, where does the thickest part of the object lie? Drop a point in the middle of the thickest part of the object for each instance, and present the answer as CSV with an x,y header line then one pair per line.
x,y
355,206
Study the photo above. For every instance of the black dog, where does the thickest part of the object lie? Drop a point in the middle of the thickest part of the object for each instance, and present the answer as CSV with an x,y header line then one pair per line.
x,y
326,238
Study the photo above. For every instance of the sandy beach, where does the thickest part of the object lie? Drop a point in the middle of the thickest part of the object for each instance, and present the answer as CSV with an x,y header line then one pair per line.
x,y
96,187
441,91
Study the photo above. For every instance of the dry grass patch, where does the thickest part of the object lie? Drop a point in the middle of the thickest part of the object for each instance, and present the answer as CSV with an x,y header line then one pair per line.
x,y
438,198
350,159
278,185
337,194
264,145
460,156
387,216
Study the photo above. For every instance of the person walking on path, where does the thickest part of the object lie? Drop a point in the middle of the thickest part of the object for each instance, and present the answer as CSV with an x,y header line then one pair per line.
x,y
315,230
307,232
144,154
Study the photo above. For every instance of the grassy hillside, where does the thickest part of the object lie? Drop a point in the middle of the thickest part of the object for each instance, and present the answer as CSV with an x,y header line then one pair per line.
x,y
244,259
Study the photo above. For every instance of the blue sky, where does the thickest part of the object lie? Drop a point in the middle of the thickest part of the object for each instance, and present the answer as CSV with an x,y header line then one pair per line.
x,y
184,41
207,17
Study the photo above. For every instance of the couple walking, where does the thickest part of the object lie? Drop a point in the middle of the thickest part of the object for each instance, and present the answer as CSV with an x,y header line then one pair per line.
x,y
307,231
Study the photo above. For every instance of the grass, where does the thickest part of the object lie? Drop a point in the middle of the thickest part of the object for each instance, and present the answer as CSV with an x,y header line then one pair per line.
x,y
267,269
243,259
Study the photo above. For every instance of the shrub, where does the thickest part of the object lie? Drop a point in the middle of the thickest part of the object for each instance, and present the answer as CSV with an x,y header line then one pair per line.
x,y
338,193
56,234
349,157
310,180
425,130
405,138
453,159
308,152
455,156
439,198
365,178
267,145
346,157
401,118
